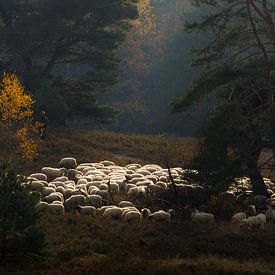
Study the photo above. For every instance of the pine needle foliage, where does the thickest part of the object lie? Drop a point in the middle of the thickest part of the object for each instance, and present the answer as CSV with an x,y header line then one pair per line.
x,y
238,62
19,215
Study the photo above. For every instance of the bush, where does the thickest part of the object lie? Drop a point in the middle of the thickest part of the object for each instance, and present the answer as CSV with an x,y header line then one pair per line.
x,y
19,232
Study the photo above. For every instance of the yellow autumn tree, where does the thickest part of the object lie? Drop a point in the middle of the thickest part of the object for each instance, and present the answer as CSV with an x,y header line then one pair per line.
x,y
16,123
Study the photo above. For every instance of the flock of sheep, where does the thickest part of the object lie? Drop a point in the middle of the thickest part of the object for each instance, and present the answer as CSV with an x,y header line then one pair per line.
x,y
90,188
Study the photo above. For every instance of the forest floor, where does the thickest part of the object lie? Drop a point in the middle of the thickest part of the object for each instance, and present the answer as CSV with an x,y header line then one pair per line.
x,y
81,245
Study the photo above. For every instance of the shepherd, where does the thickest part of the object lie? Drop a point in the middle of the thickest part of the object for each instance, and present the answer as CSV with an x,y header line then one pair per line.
x,y
44,125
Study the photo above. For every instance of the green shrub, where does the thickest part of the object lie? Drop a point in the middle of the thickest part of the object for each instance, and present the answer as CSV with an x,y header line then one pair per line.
x,y
19,232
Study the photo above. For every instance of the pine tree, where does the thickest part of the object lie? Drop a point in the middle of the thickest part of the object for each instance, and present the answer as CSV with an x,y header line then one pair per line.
x,y
18,215
65,50
238,61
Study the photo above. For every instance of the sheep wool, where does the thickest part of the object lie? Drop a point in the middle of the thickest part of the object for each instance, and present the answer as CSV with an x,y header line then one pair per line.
x,y
68,163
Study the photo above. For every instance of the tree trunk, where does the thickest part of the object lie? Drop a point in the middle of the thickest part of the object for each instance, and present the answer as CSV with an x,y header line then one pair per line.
x,y
254,173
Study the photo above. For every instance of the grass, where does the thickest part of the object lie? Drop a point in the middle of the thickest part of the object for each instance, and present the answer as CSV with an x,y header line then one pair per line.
x,y
84,245
78,245
99,145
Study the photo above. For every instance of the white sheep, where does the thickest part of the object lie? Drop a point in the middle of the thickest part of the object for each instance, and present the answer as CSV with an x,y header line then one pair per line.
x,y
203,218
128,186
81,187
152,167
136,192
107,163
85,210
123,204
145,212
68,163
94,200
57,202
155,188
259,220
238,217
270,214
121,183
104,194
103,186
99,177
56,196
60,189
79,191
125,210
47,191
129,172
45,183
69,184
75,200
251,210
114,187
58,183
143,172
39,176
133,166
163,179
132,216
144,182
136,176
92,190
84,169
136,180
82,181
52,185
41,205
106,171
102,209
56,209
114,212
37,186
160,216
162,184
72,173
62,179
68,192
53,173
92,184
152,178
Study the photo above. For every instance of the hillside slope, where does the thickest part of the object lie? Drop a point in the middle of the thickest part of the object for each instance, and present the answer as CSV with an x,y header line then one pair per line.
x,y
99,145
86,245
